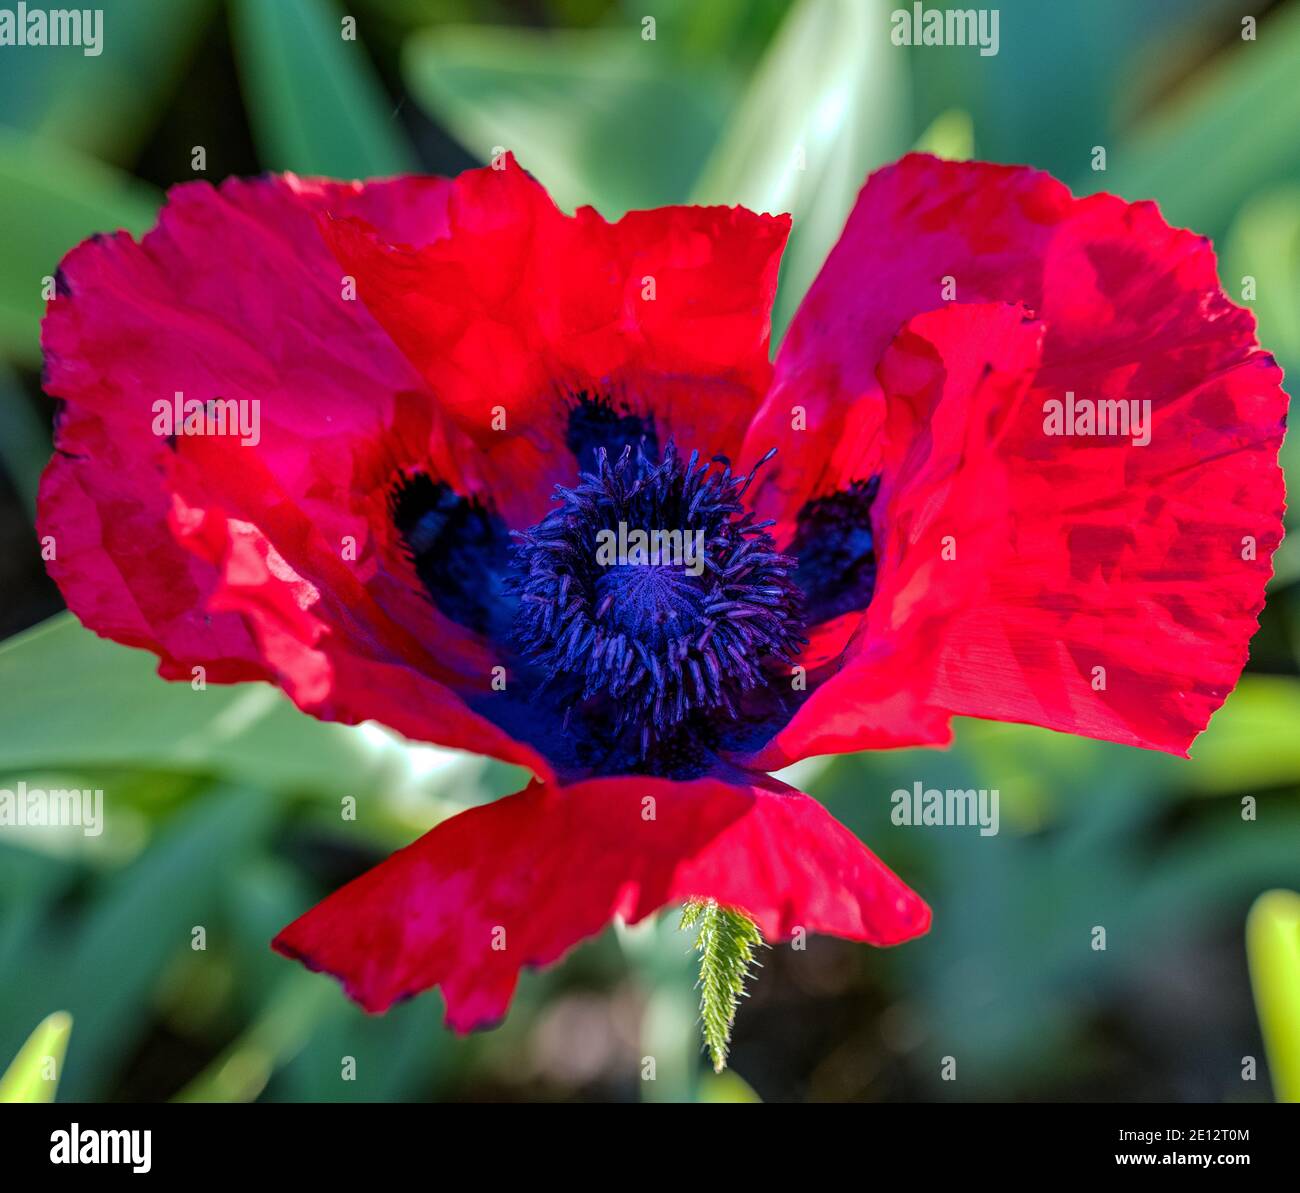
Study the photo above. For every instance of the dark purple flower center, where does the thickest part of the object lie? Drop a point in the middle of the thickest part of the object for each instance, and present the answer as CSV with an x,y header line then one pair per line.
x,y
641,655
649,599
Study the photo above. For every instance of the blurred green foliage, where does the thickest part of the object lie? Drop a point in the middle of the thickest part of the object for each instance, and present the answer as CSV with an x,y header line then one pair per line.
x,y
226,802
1273,941
33,1075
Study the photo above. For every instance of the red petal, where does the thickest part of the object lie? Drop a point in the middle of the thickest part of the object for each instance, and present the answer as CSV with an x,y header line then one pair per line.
x,y
1071,554
228,556
120,569
521,306
1097,269
916,224
540,871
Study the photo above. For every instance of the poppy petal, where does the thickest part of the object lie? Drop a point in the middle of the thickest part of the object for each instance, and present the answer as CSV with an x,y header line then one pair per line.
x,y
520,881
522,314
925,232
1091,584
1130,309
234,555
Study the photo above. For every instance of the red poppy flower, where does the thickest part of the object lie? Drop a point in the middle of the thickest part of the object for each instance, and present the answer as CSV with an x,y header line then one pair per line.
x,y
1025,468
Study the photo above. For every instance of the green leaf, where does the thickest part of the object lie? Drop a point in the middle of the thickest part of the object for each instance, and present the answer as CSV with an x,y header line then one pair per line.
x,y
826,106
141,918
1251,741
106,104
403,1055
719,31
1273,949
25,1079
50,200
951,135
282,1027
1264,244
1226,134
316,104
725,1087
725,940
600,116
59,674
1051,91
